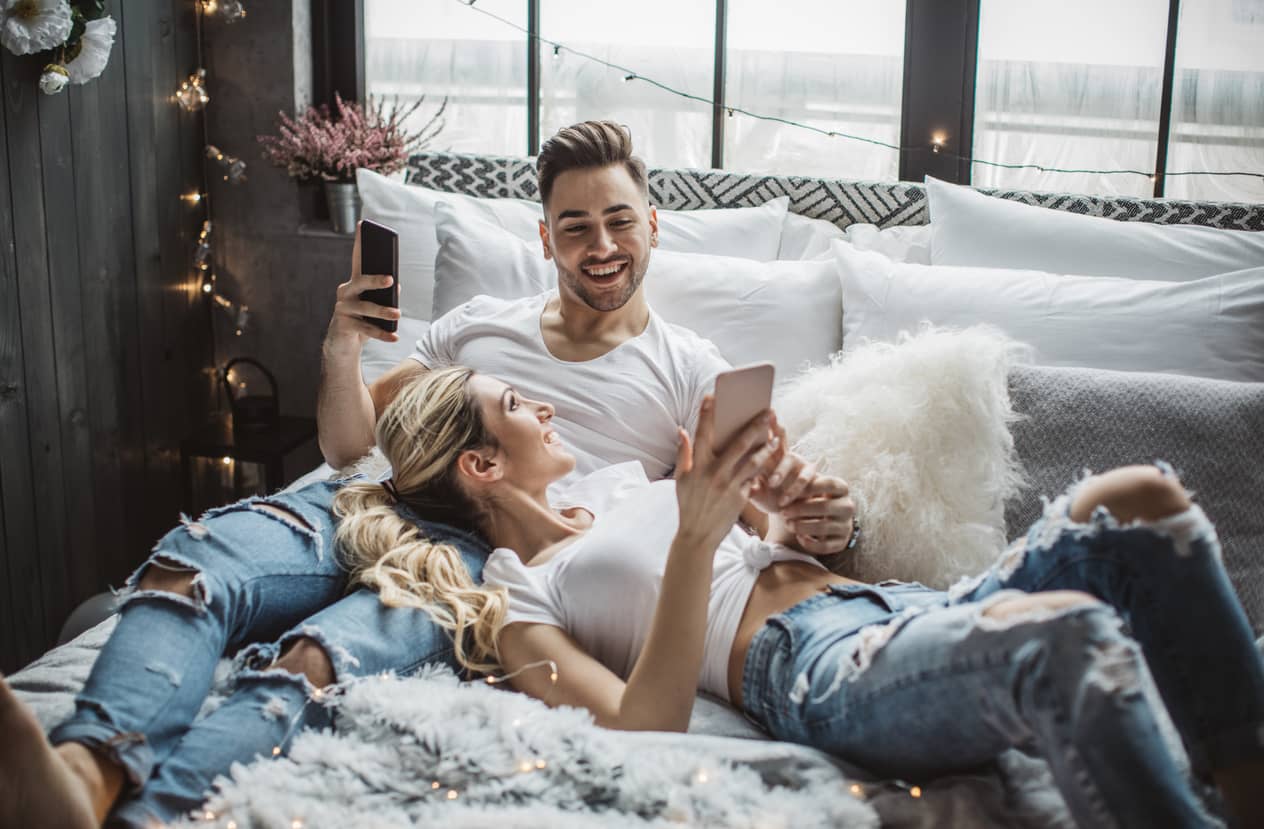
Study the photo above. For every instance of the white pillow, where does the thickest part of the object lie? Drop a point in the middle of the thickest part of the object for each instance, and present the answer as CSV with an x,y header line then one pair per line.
x,y
410,212
1209,327
919,431
789,313
804,238
378,357
904,243
973,229
748,232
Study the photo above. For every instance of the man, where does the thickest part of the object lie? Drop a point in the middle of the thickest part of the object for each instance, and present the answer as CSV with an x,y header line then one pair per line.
x,y
620,378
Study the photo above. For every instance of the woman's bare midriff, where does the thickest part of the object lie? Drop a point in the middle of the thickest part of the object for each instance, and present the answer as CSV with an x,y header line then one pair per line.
x,y
780,585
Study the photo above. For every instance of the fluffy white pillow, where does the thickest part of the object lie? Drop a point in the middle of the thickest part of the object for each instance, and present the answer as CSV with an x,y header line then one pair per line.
x,y
919,430
973,229
378,357
788,313
748,232
1208,327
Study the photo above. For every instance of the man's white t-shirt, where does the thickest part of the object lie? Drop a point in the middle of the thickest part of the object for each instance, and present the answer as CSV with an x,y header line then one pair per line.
x,y
603,588
622,406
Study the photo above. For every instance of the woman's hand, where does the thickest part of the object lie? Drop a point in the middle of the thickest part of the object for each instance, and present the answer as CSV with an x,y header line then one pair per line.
x,y
788,479
711,488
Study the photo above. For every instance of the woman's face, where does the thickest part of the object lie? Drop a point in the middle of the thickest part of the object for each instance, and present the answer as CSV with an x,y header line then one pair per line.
x,y
530,450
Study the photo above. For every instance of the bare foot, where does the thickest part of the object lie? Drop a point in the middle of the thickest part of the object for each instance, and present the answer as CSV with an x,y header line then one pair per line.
x,y
38,790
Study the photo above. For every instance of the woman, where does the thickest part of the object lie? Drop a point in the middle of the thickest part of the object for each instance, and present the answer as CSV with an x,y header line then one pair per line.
x,y
625,597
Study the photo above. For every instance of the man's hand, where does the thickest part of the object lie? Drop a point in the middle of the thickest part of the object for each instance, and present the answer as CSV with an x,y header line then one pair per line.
x,y
807,510
347,331
821,521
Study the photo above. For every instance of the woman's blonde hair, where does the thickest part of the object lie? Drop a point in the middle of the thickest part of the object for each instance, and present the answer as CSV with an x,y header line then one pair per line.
x,y
432,420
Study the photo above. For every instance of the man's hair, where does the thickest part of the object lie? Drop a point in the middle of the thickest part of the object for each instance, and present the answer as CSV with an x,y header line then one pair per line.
x,y
585,146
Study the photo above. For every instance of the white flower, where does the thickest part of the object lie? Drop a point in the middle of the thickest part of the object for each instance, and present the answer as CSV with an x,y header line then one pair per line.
x,y
94,50
53,79
28,26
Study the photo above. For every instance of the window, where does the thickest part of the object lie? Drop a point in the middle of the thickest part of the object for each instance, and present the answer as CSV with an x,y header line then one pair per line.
x,y
1218,100
439,48
1073,85
674,131
1089,88
836,66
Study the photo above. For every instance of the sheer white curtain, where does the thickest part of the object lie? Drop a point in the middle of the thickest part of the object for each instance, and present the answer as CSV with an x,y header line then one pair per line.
x,y
443,48
837,66
1075,84
671,41
1218,100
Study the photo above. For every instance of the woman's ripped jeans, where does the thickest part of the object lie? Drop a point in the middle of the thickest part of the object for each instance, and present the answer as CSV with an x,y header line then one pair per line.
x,y
914,683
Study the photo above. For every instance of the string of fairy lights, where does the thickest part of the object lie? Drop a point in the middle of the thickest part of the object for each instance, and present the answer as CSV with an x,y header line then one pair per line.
x,y
937,143
193,97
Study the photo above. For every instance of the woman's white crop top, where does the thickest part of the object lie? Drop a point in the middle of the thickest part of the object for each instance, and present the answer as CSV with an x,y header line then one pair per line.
x,y
603,588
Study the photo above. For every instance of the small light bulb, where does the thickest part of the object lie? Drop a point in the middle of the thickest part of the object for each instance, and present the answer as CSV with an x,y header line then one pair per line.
x,y
539,764
208,815
192,198
276,751
857,790
209,6
525,766
553,676
916,791
207,287
452,792
297,823
627,78
232,824
227,461
434,784
557,52
937,141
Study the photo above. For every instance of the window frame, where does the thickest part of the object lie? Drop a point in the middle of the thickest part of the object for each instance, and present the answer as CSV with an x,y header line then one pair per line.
x,y
938,93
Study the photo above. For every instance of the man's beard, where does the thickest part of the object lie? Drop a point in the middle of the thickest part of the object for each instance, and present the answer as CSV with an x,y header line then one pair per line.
x,y
605,302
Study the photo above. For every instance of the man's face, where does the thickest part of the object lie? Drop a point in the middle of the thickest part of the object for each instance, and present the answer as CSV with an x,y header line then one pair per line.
x,y
599,232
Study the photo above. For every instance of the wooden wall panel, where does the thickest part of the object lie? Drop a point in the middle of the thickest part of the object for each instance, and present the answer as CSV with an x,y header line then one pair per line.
x,y
37,550
100,342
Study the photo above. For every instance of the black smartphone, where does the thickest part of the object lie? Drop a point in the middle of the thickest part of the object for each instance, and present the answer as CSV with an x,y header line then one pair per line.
x,y
379,254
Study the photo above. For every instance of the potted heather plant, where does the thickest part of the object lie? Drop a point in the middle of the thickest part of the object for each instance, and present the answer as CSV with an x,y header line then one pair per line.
x,y
329,146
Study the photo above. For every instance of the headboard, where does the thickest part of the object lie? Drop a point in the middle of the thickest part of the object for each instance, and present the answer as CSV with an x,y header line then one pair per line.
x,y
837,201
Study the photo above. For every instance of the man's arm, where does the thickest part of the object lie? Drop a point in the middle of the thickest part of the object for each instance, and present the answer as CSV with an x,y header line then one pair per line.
x,y
346,409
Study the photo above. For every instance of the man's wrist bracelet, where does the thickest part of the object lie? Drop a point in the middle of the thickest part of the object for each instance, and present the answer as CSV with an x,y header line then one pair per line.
x,y
855,535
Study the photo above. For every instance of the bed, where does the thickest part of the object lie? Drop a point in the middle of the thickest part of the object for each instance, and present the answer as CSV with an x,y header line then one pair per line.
x,y
1096,390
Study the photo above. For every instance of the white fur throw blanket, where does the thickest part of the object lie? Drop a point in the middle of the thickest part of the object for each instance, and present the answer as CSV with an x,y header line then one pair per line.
x,y
920,431
429,751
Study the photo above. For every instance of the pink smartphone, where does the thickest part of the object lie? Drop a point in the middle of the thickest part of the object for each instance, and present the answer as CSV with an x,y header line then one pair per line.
x,y
740,394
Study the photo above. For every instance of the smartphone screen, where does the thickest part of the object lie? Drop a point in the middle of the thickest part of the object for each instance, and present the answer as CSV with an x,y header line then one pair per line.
x,y
740,394
379,254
